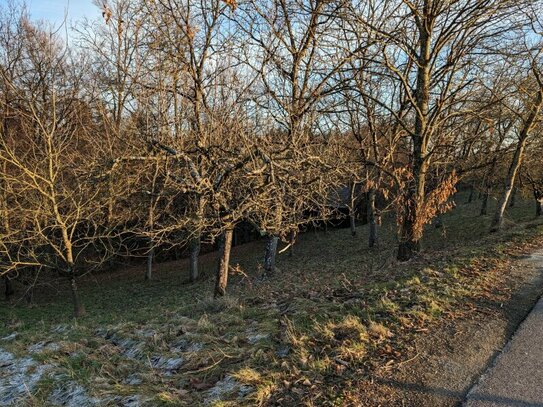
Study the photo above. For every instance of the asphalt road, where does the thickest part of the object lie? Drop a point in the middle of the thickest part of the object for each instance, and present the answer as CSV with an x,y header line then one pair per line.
x,y
516,377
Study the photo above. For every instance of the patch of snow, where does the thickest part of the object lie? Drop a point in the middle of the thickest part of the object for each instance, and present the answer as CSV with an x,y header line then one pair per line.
x,y
255,337
224,387
146,333
72,395
133,349
5,357
169,365
130,348
195,347
18,377
283,351
184,345
245,390
43,346
221,388
134,400
131,401
60,329
133,380
10,337
180,345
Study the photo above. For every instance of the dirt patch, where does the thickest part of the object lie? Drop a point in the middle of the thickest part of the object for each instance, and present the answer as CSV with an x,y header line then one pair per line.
x,y
449,359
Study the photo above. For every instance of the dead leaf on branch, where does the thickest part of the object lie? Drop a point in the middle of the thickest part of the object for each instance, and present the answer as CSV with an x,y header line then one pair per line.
x,y
106,13
232,3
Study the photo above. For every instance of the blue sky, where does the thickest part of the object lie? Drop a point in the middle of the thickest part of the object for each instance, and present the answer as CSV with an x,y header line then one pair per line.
x,y
55,10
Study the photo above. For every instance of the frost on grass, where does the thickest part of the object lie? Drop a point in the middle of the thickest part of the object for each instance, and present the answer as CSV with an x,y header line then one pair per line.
x,y
168,365
10,337
226,387
283,351
133,380
60,329
71,394
134,349
184,345
145,333
253,337
43,346
120,401
130,348
131,401
18,377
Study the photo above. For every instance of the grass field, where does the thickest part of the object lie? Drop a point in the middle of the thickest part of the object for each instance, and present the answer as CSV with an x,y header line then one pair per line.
x,y
333,313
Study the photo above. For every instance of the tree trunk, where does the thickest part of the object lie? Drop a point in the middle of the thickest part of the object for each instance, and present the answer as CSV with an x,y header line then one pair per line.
x,y
407,250
471,194
497,222
149,271
225,245
352,208
538,195
195,242
487,182
409,240
9,287
246,234
408,245
291,242
372,219
484,204
513,199
352,222
271,253
79,309
29,295
194,247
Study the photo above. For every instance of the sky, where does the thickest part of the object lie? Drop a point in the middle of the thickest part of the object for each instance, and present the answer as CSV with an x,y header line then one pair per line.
x,y
55,10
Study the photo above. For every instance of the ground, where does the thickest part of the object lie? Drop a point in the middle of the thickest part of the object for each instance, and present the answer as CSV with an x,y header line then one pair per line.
x,y
515,375
338,325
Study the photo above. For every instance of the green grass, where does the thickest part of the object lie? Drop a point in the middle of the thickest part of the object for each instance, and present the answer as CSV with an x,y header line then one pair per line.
x,y
339,308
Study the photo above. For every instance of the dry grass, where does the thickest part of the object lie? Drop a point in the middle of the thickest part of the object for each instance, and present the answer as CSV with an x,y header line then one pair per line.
x,y
335,312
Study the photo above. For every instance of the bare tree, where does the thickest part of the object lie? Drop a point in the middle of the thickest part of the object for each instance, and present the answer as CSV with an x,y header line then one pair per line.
x,y
289,47
49,159
426,46
526,103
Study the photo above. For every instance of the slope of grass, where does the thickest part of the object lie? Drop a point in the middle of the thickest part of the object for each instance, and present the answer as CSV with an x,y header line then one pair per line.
x,y
306,336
